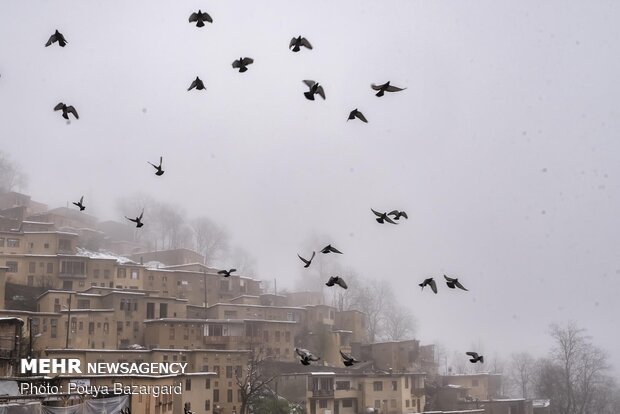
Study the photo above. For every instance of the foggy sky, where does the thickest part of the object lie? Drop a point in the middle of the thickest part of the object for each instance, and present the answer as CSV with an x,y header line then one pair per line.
x,y
503,150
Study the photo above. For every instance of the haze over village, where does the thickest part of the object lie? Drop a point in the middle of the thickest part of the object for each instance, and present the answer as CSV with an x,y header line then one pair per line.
x,y
497,137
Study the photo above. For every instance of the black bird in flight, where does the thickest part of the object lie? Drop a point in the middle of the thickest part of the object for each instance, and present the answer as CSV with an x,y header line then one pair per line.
x,y
297,42
57,37
398,214
357,114
200,18
453,283
158,167
336,280
137,220
429,282
226,273
66,110
197,83
242,63
382,217
307,262
386,87
330,249
306,356
347,360
475,357
314,89
79,204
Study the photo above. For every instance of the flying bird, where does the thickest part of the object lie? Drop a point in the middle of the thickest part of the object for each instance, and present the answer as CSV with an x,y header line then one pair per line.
x,y
242,63
330,249
297,42
66,110
398,214
336,280
158,167
306,356
57,37
200,18
79,204
307,262
197,83
382,217
453,283
429,282
475,357
386,87
315,88
357,114
347,360
137,220
226,273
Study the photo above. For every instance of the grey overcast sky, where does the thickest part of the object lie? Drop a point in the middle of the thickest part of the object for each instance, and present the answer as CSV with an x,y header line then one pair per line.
x,y
503,149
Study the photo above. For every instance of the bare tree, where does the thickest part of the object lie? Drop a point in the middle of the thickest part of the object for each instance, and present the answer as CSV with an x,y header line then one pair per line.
x,y
131,206
373,298
573,375
212,240
11,175
522,371
242,260
254,379
342,299
400,324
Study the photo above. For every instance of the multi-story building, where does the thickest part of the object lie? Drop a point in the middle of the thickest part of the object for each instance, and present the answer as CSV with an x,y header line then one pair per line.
x,y
353,393
481,386
209,384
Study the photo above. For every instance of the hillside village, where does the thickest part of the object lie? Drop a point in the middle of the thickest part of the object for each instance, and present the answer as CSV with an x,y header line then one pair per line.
x,y
74,287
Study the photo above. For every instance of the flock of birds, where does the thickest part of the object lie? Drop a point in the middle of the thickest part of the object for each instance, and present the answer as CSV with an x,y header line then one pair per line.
x,y
314,88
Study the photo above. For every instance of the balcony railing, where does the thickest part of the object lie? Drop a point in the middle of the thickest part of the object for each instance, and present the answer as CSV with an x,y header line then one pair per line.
x,y
322,393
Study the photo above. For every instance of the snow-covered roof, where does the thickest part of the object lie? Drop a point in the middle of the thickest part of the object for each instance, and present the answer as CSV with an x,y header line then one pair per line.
x,y
541,403
104,255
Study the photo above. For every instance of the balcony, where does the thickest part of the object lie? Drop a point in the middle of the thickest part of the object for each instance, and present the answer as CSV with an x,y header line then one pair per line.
x,y
322,393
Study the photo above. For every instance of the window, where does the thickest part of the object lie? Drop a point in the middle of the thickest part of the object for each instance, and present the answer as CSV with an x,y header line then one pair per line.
x,y
12,267
343,385
150,310
230,314
83,304
188,384
121,273
406,382
171,336
32,267
208,383
347,403
64,245
394,385
266,336
96,273
287,336
277,336
106,328
229,396
12,242
377,386
30,280
136,326
91,327
229,371
80,326
407,403
46,245
68,267
323,403
53,327
216,396
106,273
1,241
134,274
119,326
377,403
50,268
163,310
207,405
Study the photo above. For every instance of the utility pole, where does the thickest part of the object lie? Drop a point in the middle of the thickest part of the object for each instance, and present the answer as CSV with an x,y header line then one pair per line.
x,y
68,322
204,274
30,339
